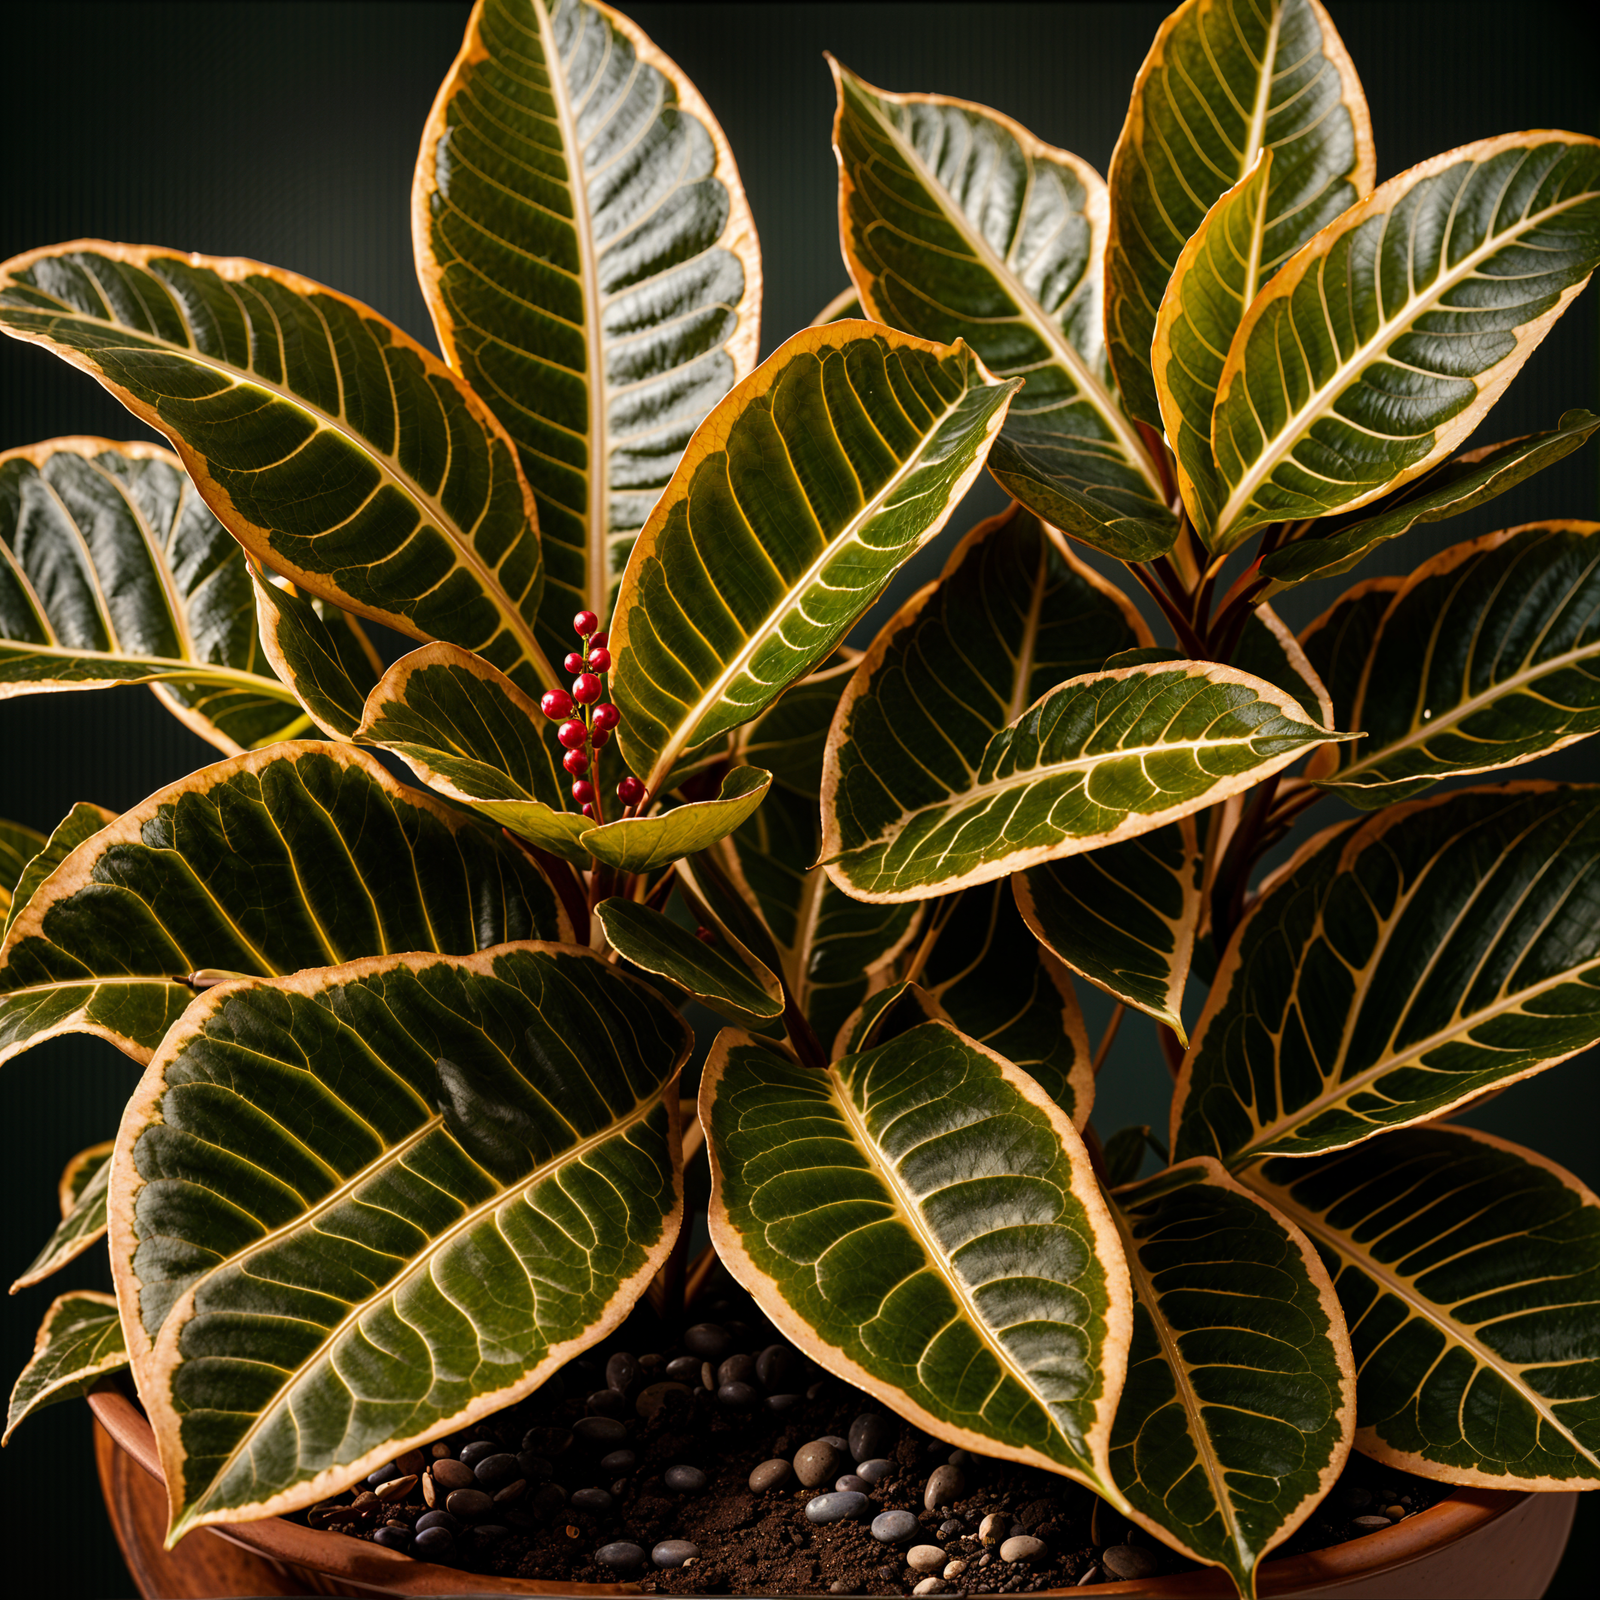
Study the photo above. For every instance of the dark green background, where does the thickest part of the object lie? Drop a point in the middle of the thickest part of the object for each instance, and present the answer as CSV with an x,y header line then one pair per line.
x,y
286,131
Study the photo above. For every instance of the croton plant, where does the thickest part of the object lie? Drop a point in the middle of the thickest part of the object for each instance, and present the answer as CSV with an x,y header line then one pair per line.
x,y
409,1131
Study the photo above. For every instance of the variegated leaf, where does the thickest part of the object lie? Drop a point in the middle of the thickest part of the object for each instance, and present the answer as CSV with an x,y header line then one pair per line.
x,y
82,1192
79,1342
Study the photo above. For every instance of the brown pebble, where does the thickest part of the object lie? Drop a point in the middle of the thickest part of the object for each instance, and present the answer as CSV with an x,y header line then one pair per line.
x,y
926,1558
1128,1561
512,1491
1023,1547
945,1486
409,1462
658,1397
397,1488
1394,1513
468,1504
1370,1524
773,1474
993,1529
816,1462
453,1475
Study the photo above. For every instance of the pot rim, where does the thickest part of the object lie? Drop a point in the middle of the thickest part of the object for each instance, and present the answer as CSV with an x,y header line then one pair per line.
x,y
368,1566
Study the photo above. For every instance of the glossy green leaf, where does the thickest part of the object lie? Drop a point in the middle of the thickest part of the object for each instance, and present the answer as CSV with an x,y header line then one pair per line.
x,y
1101,758
82,822
320,653
1224,80
469,732
1124,916
1123,1153
1239,1407
83,1214
333,447
880,1017
641,844
113,570
1487,656
717,971
1337,646
987,975
923,1219
1469,479
1215,278
790,737
18,846
79,1341
797,501
1267,649
1469,1273
462,1171
1378,348
293,857
956,223
590,263
1396,969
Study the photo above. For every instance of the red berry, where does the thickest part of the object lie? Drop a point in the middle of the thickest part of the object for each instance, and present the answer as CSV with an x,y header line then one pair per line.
x,y
573,734
585,622
556,704
588,811
599,660
606,716
574,662
600,638
630,791
598,736
583,791
576,762
586,688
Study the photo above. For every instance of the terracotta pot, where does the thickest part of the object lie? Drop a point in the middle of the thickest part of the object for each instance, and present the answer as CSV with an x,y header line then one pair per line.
x,y
1479,1544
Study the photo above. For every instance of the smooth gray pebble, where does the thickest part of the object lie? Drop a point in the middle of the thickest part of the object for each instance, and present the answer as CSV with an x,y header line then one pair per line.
x,y
835,1507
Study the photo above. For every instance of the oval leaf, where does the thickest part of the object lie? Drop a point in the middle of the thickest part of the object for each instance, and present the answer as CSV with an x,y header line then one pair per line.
x,y
113,570
718,972
923,1220
1103,757
82,822
83,1214
1224,80
462,1172
956,223
1239,1408
298,856
798,499
79,1341
1396,969
325,659
1378,348
1124,916
333,446
1469,1273
590,263
641,844
1457,681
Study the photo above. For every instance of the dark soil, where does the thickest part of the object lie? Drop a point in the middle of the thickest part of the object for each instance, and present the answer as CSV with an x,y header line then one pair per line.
x,y
762,1543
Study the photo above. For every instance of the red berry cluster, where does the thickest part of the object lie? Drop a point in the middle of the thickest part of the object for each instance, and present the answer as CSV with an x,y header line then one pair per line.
x,y
586,720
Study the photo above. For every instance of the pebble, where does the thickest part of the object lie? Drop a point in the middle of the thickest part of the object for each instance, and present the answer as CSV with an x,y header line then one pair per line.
x,y
739,1368
816,1463
778,1366
392,1538
433,1541
621,1371
659,1397
439,1451
549,1500
472,1454
1369,1524
438,1519
955,1568
468,1504
382,1475
452,1474
496,1471
1022,1547
892,1527
840,1586
835,1507
618,1463
604,1433
946,1484
926,1558
961,1458
874,1471
993,1528
510,1492
620,1556
684,1369
684,1479
1128,1561
1091,1575
949,1529
931,1585
782,1402
737,1396
1394,1513
871,1435
773,1474
595,1500
674,1552
606,1403
708,1340
533,1467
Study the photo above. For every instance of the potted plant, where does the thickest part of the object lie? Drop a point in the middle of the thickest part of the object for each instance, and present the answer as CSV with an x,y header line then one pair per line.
x,y
444,1029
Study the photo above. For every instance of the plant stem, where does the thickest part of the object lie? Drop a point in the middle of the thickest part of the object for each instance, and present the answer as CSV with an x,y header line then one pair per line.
x,y
936,926
1182,630
1118,1013
569,888
1171,1049
1233,872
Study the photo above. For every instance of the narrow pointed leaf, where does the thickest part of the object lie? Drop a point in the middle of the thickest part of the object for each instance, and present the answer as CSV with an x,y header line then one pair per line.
x,y
1103,757
468,731
333,447
1124,916
1487,656
718,972
1469,479
956,223
796,502
1224,80
18,846
299,856
1397,969
113,570
83,1214
1216,277
1469,1273
923,1220
462,1172
877,1018
1238,1411
1378,347
79,1342
82,822
1337,646
590,263
321,658
987,975
1267,649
